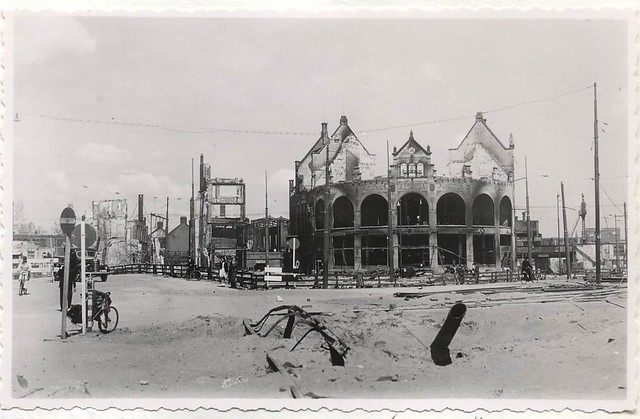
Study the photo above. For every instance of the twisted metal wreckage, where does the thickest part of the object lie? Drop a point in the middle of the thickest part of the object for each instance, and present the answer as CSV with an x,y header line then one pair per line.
x,y
296,315
337,347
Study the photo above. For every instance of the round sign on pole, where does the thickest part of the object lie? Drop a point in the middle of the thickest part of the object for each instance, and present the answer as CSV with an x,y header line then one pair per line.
x,y
293,243
89,234
67,221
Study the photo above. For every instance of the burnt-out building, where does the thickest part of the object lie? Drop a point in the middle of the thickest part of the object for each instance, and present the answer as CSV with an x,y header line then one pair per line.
x,y
436,220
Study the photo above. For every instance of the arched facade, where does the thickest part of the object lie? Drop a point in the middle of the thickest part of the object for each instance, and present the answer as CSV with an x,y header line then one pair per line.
x,y
415,218
451,209
413,209
374,211
342,213
483,211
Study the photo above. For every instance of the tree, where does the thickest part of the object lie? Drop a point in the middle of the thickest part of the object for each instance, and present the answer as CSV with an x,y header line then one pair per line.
x,y
56,229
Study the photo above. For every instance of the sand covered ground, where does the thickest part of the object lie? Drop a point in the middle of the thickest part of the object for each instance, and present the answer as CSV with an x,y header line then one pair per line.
x,y
179,339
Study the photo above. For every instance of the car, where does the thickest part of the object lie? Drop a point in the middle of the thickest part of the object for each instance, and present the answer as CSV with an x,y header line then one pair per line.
x,y
92,264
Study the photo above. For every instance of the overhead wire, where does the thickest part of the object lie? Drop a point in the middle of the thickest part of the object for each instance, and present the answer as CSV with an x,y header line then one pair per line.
x,y
196,131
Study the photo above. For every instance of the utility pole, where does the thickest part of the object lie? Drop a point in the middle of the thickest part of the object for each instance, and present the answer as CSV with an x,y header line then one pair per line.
x,y
266,221
558,217
615,227
566,238
327,217
191,217
626,241
526,183
392,276
167,219
596,164
203,187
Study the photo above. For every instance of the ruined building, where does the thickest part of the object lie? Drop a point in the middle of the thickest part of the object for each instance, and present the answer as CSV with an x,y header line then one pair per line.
x,y
436,220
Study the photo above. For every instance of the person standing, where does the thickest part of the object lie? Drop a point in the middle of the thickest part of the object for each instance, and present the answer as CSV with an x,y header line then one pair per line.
x,y
223,270
232,273
74,273
24,272
526,269
476,272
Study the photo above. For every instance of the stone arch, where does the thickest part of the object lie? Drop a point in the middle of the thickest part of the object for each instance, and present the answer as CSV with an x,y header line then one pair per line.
x,y
483,210
374,211
450,209
319,214
342,212
506,212
413,209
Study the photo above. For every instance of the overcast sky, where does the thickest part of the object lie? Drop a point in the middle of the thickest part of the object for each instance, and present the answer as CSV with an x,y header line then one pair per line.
x,y
201,75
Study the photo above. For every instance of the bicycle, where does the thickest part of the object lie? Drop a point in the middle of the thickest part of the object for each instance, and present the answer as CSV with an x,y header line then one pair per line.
x,y
528,277
24,277
193,273
106,315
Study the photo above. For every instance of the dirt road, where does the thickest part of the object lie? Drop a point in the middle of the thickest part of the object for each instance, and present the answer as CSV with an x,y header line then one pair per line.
x,y
185,339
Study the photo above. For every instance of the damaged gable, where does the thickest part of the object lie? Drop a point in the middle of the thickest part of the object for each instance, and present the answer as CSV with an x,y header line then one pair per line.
x,y
481,155
349,160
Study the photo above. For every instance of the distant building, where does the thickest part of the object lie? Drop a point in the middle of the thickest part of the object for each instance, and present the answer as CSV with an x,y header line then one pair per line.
x,y
278,229
157,240
177,243
607,235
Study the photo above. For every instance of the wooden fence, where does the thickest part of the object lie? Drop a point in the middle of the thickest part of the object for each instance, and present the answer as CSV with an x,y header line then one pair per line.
x,y
337,279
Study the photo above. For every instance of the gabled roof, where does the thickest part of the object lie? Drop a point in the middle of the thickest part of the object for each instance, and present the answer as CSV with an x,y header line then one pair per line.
x,y
483,122
341,133
412,142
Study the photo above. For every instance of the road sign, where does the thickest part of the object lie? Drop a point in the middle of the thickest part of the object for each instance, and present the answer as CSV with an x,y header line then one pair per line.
x,y
90,235
293,243
67,220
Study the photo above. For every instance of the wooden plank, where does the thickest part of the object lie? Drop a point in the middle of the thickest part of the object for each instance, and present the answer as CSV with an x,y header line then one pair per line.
x,y
275,365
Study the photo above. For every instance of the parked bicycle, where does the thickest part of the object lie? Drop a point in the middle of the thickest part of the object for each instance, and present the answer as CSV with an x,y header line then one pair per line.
x,y
193,272
104,314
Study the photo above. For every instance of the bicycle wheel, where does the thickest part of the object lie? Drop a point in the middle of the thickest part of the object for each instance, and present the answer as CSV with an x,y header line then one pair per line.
x,y
108,324
523,278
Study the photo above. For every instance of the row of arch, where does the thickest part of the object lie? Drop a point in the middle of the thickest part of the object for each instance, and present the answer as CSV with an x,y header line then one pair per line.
x,y
413,209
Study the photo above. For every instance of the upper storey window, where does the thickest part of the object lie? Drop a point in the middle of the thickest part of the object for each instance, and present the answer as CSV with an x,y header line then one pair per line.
x,y
420,169
412,170
404,170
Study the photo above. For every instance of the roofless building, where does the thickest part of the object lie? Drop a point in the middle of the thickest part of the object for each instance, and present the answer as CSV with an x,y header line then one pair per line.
x,y
436,220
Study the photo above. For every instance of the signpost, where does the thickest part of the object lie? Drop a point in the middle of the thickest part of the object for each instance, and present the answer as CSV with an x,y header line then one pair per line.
x,y
89,233
83,272
293,243
67,224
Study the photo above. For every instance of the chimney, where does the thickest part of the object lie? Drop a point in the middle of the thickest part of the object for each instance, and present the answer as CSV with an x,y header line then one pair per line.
x,y
480,118
183,220
324,133
343,120
523,215
511,141
140,207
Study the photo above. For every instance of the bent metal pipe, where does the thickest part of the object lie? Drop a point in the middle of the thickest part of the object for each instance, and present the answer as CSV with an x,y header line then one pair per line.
x,y
440,345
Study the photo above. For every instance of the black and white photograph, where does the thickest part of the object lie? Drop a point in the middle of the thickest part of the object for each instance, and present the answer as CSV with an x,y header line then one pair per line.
x,y
401,210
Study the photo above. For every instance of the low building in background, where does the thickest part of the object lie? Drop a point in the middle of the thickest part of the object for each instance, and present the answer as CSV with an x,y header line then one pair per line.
x,y
177,244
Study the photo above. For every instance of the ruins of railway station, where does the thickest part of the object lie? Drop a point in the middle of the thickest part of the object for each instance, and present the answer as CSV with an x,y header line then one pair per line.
x,y
464,217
